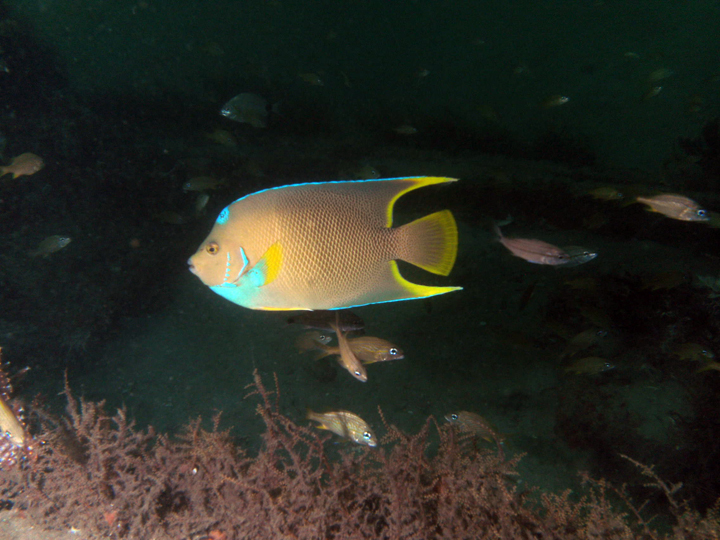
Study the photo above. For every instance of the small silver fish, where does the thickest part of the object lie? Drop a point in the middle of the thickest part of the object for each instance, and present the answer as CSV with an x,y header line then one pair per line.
x,y
50,245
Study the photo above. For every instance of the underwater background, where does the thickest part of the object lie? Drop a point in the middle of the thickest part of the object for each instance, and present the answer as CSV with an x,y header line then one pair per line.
x,y
550,113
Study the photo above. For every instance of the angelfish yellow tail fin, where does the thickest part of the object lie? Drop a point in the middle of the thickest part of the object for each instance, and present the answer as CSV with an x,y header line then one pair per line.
x,y
430,242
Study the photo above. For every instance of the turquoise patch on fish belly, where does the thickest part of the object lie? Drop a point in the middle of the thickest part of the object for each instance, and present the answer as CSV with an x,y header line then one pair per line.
x,y
241,295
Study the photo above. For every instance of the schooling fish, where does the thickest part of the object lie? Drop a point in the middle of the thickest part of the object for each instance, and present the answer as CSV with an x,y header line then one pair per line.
x,y
345,424
23,165
347,358
50,245
675,207
324,245
534,251
368,349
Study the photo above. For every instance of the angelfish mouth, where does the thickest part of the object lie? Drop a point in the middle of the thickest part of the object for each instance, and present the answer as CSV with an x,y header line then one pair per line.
x,y
192,267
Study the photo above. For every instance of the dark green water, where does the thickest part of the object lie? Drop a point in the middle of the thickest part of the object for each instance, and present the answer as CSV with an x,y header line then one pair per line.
x,y
119,97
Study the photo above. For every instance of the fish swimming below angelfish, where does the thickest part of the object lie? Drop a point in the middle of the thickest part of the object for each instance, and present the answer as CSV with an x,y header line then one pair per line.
x,y
324,245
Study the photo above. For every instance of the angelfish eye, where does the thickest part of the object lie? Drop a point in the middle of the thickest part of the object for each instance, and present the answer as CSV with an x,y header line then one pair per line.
x,y
212,248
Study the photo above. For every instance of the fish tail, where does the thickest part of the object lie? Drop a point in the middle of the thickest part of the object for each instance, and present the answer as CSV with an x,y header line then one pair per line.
x,y
497,231
430,242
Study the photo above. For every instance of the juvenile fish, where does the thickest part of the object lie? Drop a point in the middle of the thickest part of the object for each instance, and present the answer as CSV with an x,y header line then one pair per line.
x,y
247,108
312,340
693,352
347,358
578,255
50,245
675,207
367,349
345,424
534,251
203,183
23,165
592,365
474,423
583,340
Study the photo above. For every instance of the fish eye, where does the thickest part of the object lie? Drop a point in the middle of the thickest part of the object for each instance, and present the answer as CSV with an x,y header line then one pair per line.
x,y
454,416
367,436
212,248
393,351
702,213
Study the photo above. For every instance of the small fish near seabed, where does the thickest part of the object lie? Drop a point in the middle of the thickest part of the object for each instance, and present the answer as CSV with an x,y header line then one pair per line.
x,y
533,251
25,164
324,245
247,108
346,424
477,425
50,245
675,207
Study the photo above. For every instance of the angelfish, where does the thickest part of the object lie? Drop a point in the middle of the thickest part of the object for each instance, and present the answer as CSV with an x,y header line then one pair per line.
x,y
324,245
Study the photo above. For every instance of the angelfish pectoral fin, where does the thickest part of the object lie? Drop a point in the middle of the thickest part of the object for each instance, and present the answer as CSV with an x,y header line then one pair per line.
x,y
267,268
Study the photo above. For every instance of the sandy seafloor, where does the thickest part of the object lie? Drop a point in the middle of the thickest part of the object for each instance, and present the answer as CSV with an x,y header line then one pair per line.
x,y
197,357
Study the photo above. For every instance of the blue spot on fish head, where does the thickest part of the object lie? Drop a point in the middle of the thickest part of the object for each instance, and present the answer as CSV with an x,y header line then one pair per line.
x,y
223,217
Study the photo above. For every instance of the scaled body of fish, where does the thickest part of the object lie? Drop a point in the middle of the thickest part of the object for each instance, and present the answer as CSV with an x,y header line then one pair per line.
x,y
676,207
345,424
325,245
50,245
23,165
534,251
